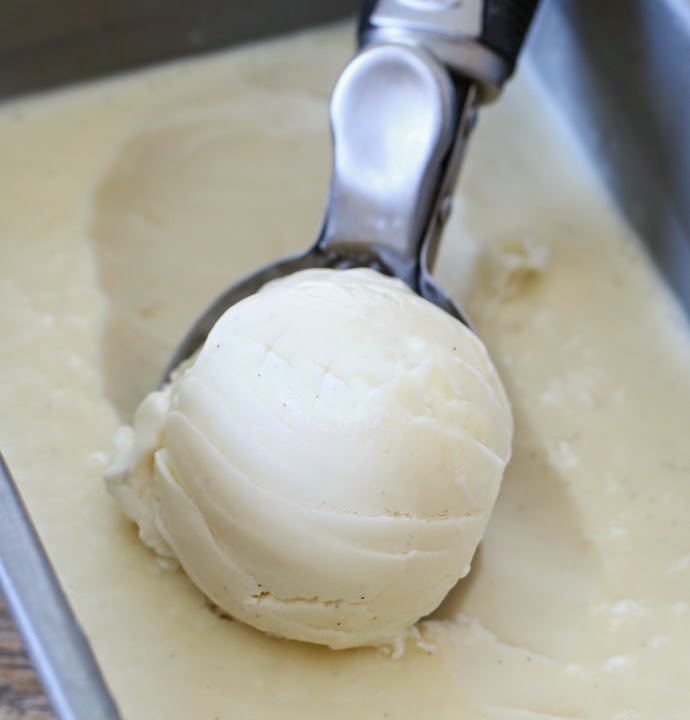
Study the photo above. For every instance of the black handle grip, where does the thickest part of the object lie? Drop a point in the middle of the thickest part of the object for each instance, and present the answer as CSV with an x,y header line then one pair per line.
x,y
504,26
365,10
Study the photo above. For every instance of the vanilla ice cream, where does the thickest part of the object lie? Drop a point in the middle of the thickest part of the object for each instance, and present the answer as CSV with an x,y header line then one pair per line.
x,y
326,467
130,203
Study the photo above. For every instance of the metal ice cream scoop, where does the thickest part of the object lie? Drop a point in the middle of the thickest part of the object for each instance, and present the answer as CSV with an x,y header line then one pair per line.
x,y
401,113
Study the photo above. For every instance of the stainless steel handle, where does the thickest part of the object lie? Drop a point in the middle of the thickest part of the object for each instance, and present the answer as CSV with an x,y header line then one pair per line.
x,y
393,119
401,113
58,648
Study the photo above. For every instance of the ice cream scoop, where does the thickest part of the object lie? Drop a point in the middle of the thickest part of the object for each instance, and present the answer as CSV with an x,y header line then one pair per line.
x,y
401,113
326,466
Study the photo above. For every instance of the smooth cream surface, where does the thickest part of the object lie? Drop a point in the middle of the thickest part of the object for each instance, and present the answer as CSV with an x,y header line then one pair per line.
x,y
127,206
325,467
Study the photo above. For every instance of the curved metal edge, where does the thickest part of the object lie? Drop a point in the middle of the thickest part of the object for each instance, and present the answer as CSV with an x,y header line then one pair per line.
x,y
619,75
384,260
345,257
56,643
248,285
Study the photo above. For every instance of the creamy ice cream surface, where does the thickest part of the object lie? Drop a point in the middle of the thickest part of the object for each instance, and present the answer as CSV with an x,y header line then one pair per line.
x,y
127,205
326,467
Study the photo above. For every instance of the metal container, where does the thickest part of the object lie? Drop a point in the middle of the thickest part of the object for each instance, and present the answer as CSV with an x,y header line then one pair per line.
x,y
620,72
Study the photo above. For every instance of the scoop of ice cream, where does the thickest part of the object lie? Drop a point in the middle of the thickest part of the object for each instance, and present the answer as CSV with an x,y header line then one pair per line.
x,y
325,468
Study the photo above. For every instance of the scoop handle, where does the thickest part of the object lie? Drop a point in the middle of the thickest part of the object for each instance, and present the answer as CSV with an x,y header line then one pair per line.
x,y
393,121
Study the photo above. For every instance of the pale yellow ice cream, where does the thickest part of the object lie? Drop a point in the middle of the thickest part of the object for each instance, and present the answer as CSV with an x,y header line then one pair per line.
x,y
128,205
326,467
